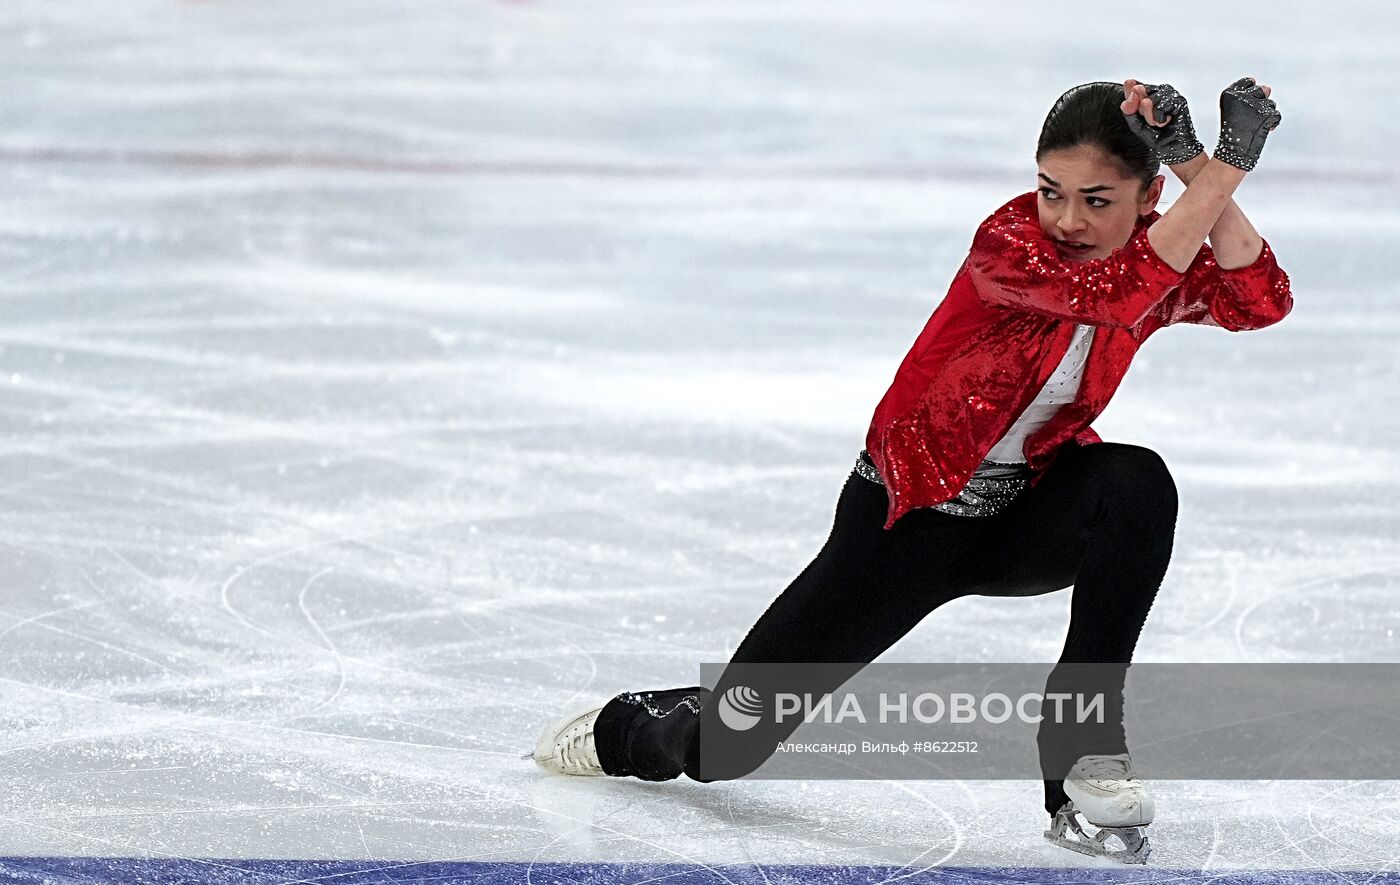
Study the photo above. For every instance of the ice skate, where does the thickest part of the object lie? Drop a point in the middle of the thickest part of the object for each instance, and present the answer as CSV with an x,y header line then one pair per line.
x,y
567,747
1106,793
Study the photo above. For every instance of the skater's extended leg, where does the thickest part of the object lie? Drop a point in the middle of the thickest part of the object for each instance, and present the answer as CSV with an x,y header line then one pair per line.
x,y
865,589
1101,519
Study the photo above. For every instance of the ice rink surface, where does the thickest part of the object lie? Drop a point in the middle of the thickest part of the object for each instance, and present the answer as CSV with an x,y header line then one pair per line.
x,y
380,380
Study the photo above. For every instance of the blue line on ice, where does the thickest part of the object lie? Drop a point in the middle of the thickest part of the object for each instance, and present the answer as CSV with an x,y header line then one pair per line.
x,y
117,871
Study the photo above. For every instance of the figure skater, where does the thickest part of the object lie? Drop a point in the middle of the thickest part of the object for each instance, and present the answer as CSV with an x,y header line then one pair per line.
x,y
981,475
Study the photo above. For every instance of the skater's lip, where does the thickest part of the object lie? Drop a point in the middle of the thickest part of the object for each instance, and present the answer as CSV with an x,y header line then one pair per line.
x,y
1073,248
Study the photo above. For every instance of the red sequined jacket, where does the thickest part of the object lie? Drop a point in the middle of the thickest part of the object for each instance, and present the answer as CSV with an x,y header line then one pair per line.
x,y
1005,324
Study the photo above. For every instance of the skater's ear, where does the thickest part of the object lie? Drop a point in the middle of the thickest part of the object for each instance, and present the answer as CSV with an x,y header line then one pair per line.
x,y
1151,194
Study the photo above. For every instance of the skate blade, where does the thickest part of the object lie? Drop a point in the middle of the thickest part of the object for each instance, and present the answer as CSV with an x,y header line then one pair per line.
x,y
1066,832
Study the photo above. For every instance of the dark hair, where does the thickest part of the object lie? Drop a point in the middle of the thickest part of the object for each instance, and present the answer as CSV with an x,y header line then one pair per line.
x,y
1089,114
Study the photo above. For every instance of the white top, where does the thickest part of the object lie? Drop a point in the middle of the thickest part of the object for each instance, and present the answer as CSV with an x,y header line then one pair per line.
x,y
1059,390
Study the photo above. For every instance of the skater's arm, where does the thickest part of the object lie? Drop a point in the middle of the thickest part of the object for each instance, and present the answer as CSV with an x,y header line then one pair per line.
x,y
1234,283
1013,264
1237,300
1160,117
1233,239
1178,235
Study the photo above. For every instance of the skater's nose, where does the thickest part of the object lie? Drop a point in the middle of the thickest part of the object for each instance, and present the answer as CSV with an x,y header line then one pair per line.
x,y
1071,222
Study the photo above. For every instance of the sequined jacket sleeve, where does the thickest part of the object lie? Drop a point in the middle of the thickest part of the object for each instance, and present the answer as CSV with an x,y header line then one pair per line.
x,y
1013,264
1238,299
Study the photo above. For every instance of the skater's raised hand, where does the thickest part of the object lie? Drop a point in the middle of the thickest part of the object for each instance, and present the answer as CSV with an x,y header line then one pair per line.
x,y
1160,117
1247,116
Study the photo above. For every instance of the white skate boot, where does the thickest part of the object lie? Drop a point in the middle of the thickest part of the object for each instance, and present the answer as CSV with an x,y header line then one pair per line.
x,y
567,747
1106,792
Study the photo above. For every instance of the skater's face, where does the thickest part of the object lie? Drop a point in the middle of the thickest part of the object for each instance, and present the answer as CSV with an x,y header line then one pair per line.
x,y
1088,203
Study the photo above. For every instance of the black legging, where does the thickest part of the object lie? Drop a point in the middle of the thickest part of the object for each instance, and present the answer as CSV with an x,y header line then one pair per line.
x,y
1101,519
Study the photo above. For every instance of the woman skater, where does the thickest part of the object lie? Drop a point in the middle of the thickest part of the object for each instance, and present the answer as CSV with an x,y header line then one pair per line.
x,y
981,474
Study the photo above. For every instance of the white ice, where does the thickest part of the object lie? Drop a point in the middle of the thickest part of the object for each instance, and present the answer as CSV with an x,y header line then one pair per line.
x,y
381,379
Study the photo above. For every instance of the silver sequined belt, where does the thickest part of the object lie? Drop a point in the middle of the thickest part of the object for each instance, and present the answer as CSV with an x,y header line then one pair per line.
x,y
993,486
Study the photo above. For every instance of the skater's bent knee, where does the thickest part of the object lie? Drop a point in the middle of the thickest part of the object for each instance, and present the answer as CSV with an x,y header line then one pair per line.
x,y
1137,475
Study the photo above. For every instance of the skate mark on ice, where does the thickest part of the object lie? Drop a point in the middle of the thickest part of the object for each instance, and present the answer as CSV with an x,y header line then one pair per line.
x,y
1311,583
35,618
504,741
1214,847
735,827
239,727
1230,567
124,848
954,827
627,837
1311,817
1288,842
607,634
330,540
160,665
330,646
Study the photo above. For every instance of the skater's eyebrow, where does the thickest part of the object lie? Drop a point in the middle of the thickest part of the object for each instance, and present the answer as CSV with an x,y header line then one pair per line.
x,y
1083,190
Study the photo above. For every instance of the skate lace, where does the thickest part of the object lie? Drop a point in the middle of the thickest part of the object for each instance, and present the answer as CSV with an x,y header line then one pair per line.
x,y
578,750
1117,767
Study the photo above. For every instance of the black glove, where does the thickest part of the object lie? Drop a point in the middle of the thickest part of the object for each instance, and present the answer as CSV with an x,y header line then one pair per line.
x,y
1175,142
1247,117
